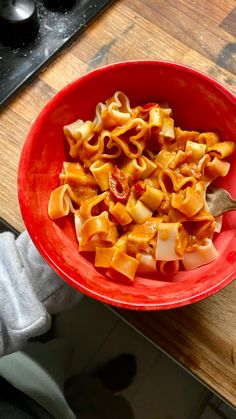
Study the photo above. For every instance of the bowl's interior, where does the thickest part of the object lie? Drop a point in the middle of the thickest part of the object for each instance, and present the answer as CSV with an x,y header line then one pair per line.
x,y
198,104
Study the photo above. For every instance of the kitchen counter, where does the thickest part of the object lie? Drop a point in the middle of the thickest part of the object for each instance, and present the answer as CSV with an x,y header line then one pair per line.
x,y
201,337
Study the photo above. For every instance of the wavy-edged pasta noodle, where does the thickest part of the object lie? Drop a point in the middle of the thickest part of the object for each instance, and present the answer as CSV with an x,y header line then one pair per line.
x,y
200,256
92,244
197,150
94,226
121,243
205,229
149,166
89,204
131,200
124,264
101,171
203,215
199,231
117,111
82,184
140,236
152,180
97,231
92,147
76,133
185,182
98,122
84,192
151,249
190,200
175,216
139,168
133,168
98,240
171,241
167,129
60,202
182,136
152,197
222,150
156,120
164,158
74,175
147,263
104,256
208,138
150,154
203,162
120,213
167,181
216,168
166,109
95,241
169,267
120,103
139,212
108,200
137,188
170,181
180,157
111,237
109,148
131,137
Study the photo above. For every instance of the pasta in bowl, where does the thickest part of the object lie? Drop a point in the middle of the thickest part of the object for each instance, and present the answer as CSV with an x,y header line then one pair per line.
x,y
137,189
122,193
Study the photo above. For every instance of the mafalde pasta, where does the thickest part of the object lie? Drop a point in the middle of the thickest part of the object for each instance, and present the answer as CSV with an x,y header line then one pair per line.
x,y
136,186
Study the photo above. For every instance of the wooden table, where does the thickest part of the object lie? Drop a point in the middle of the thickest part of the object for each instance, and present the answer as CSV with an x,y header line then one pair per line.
x,y
201,337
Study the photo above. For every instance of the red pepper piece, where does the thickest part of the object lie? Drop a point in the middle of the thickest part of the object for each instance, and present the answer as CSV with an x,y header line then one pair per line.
x,y
139,189
149,106
119,187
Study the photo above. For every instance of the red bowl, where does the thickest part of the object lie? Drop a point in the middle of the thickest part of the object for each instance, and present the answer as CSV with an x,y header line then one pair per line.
x,y
199,103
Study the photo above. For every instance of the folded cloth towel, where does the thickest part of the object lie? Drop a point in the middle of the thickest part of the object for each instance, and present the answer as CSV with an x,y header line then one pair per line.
x,y
29,292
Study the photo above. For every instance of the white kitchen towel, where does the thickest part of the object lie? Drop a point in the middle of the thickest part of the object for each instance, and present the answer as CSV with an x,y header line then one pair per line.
x,y
29,292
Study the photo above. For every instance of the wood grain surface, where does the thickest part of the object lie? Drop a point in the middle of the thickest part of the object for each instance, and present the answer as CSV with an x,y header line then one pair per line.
x,y
201,337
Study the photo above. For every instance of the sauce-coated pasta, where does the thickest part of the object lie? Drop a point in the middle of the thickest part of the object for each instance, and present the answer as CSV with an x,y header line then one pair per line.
x,y
137,187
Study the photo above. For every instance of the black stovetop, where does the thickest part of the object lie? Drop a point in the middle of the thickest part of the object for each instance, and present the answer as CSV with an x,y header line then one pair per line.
x,y
20,65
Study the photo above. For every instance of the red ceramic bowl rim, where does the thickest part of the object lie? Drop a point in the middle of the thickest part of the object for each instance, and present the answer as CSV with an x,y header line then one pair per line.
x,y
22,178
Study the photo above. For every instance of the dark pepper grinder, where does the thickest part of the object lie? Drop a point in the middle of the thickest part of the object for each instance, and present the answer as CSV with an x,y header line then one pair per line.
x,y
18,22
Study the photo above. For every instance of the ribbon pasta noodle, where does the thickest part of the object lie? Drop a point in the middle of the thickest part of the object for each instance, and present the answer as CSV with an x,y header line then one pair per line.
x,y
137,188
